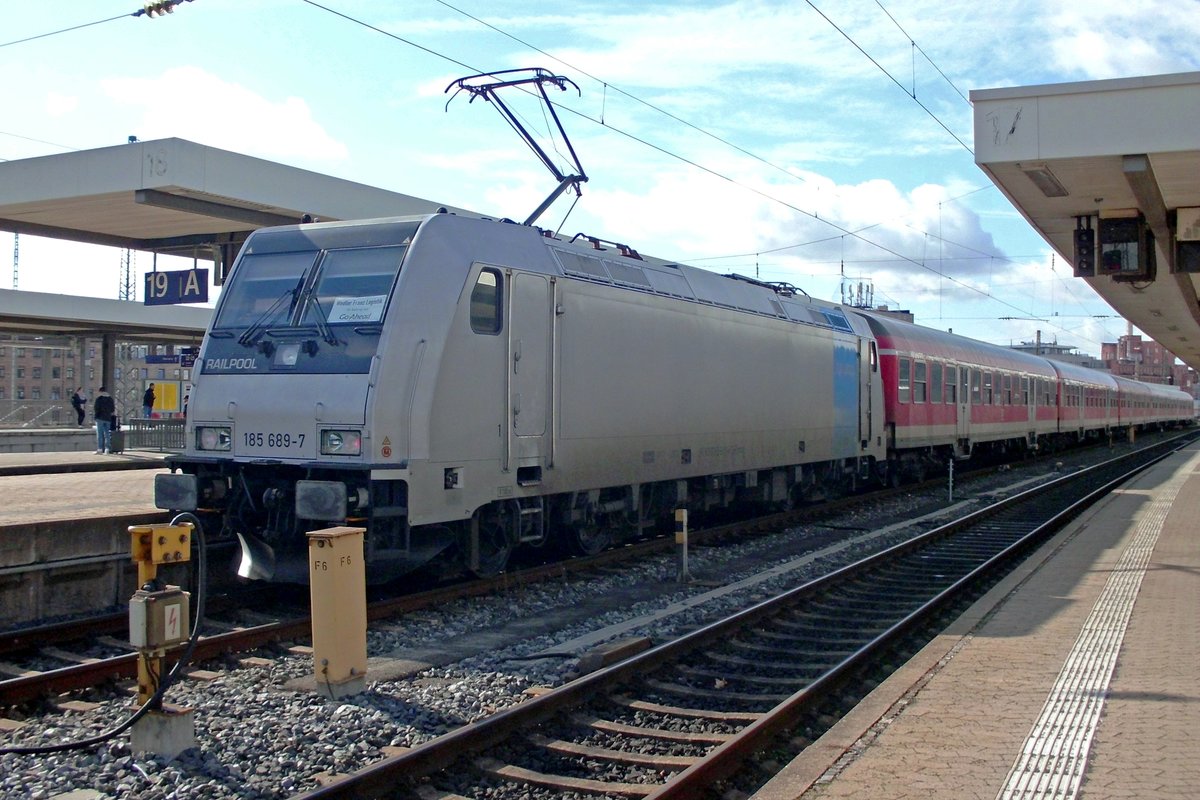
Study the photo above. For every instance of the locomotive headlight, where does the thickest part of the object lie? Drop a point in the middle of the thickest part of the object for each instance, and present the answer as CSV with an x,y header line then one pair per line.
x,y
213,437
341,443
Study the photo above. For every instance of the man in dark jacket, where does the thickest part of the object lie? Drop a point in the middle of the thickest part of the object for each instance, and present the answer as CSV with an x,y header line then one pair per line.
x,y
148,401
103,409
77,402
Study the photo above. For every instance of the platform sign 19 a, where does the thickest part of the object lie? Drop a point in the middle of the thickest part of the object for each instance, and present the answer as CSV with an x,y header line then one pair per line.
x,y
177,286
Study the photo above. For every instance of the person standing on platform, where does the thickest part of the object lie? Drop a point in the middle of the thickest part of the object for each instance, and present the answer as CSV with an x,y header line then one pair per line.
x,y
103,409
77,403
148,401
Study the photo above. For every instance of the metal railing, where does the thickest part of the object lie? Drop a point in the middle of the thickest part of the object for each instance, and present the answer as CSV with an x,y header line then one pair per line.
x,y
153,434
36,414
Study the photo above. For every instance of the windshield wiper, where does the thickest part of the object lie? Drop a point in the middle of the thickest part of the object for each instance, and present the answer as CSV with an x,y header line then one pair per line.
x,y
251,335
323,323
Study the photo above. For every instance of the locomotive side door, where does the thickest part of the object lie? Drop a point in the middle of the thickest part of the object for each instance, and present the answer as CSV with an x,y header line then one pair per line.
x,y
531,313
868,365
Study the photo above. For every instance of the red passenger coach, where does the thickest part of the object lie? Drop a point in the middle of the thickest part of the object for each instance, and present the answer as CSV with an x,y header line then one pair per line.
x,y
1146,403
947,395
1087,400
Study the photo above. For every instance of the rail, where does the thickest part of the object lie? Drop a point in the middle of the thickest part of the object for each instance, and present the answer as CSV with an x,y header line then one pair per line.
x,y
153,434
817,636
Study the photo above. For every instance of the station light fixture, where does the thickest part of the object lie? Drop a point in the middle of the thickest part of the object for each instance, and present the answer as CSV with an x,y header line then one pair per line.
x,y
1045,180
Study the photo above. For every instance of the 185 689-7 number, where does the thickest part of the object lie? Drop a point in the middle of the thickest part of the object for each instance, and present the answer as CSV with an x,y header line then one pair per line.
x,y
273,440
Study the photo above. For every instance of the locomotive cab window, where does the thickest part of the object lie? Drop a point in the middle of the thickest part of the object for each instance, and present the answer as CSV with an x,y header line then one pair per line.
x,y
485,302
264,289
353,286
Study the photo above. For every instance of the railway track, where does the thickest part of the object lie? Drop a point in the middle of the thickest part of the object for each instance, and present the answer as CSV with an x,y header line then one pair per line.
x,y
49,660
677,720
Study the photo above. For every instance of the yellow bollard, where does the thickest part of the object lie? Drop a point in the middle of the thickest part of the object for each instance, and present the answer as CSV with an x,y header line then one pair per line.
x,y
337,579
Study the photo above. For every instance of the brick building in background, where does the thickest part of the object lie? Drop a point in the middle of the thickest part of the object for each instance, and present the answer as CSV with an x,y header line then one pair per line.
x,y
38,375
1130,356
1140,359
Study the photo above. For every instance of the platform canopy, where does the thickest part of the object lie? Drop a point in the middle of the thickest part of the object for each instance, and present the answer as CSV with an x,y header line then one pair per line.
x,y
32,314
178,197
1119,158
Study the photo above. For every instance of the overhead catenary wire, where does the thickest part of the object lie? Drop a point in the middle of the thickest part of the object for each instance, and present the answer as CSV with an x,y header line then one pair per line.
x,y
663,150
884,70
607,85
691,162
925,55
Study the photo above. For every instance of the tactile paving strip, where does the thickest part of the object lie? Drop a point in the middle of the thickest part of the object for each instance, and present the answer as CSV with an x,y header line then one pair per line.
x,y
1054,756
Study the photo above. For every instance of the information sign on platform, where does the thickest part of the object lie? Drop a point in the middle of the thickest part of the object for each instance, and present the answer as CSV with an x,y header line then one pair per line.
x,y
176,286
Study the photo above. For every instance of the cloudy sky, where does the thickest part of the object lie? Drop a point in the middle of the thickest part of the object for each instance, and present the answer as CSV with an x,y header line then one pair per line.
x,y
826,144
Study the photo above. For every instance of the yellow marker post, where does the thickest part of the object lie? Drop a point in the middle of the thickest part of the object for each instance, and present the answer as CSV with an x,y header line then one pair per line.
x,y
681,540
339,610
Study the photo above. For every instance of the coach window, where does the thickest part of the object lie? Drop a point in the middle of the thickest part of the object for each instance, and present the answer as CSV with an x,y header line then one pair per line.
x,y
951,384
987,389
1024,390
905,378
919,381
976,382
935,382
485,302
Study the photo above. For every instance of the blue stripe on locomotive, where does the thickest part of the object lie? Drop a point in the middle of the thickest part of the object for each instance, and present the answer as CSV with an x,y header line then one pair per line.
x,y
845,399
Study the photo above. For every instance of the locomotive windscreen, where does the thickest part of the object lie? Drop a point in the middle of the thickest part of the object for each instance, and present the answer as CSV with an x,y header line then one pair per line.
x,y
316,311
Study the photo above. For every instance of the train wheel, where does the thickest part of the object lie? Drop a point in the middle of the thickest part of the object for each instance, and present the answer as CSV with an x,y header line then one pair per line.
x,y
494,534
587,540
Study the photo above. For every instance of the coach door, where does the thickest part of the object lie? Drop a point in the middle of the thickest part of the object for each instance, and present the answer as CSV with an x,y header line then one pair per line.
x,y
530,314
963,427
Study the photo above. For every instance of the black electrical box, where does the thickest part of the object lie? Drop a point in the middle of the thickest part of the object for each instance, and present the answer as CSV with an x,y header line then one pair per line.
x,y
1126,249
1187,256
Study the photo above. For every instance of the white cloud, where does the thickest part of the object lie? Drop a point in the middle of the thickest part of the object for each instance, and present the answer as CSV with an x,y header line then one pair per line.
x,y
1121,38
58,105
192,103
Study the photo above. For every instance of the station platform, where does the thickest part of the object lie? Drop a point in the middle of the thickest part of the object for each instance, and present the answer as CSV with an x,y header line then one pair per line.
x,y
45,463
1076,676
38,488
